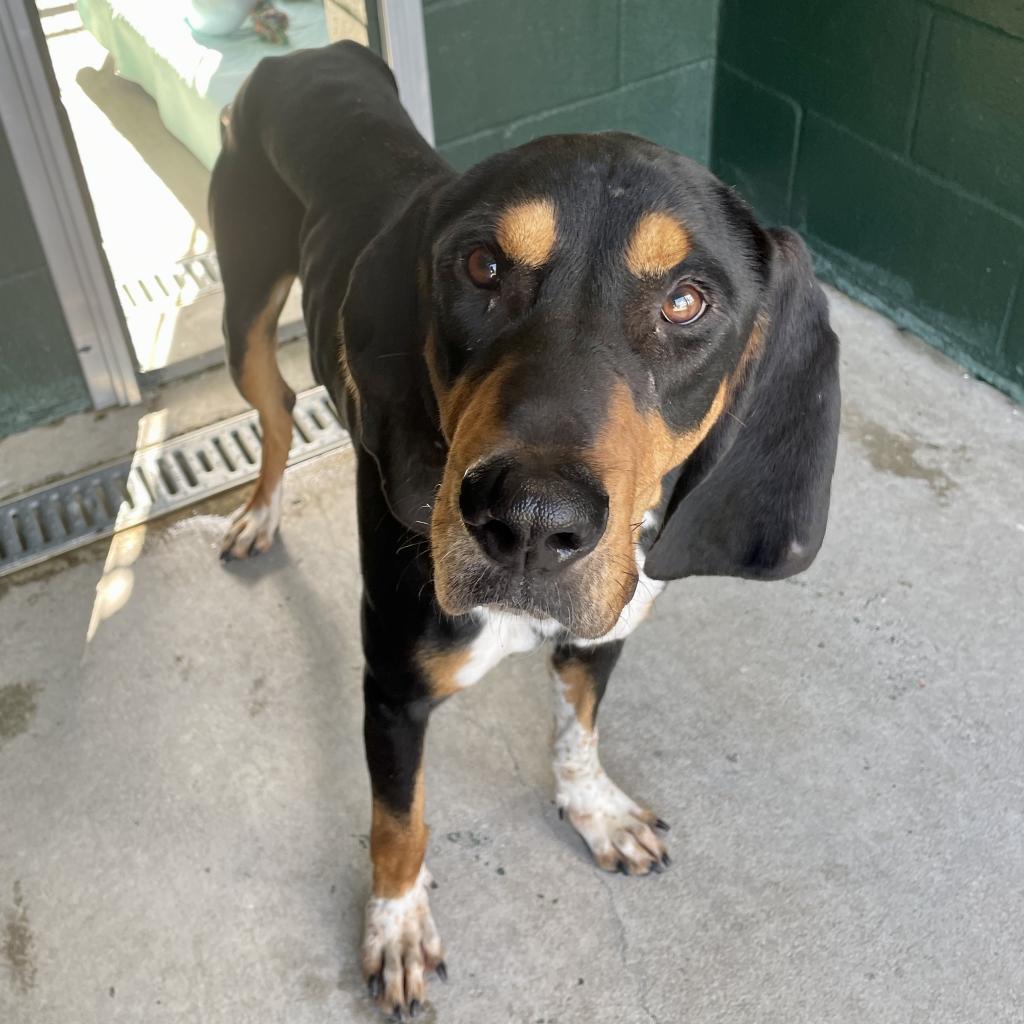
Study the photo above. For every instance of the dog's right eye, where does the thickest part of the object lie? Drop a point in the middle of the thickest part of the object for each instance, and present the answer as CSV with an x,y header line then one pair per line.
x,y
685,304
482,267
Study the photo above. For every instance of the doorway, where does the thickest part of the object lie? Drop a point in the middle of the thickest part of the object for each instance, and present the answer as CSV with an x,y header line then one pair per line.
x,y
142,85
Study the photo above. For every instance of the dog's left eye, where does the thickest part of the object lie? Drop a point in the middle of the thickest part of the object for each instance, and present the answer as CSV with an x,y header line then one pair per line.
x,y
684,304
482,267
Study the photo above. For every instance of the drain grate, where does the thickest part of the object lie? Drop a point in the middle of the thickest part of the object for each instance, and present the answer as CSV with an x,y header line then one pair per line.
x,y
154,481
178,285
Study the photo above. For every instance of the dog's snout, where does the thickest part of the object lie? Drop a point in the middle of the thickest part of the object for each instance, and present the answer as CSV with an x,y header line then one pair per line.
x,y
531,518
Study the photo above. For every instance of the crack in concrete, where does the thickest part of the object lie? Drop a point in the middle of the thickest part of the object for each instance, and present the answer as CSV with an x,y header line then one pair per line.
x,y
642,984
542,796
494,734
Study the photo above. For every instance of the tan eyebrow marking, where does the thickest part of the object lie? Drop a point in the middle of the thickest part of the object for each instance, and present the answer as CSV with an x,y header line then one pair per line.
x,y
527,232
657,244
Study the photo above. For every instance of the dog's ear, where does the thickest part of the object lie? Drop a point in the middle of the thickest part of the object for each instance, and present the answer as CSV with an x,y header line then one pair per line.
x,y
383,326
752,500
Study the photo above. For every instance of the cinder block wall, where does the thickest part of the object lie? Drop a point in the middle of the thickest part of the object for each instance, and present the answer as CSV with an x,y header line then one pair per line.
x,y
891,134
39,375
503,72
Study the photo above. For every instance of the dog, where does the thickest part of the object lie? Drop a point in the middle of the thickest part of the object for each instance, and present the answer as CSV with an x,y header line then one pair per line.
x,y
575,372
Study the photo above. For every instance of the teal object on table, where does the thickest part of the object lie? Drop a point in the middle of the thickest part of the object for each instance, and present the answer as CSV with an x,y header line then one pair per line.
x,y
191,76
218,17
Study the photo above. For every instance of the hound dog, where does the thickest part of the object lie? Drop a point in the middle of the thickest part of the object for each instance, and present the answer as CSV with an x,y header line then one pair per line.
x,y
574,372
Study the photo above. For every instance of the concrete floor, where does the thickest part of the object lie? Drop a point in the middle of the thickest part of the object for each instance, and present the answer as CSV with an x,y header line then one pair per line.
x,y
183,801
76,444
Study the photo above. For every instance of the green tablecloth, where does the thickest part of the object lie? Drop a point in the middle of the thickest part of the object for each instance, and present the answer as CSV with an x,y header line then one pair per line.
x,y
191,77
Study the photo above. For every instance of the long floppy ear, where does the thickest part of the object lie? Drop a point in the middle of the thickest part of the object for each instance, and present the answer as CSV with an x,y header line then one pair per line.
x,y
752,501
383,325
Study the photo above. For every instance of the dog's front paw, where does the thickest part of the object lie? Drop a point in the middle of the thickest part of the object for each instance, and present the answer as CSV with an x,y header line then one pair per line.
x,y
400,946
252,527
622,835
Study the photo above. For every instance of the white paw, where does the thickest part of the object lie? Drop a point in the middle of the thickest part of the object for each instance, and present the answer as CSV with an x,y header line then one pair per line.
x,y
400,946
252,527
622,835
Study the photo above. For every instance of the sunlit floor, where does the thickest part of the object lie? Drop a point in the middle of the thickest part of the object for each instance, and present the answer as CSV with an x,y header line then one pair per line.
x,y
131,162
184,803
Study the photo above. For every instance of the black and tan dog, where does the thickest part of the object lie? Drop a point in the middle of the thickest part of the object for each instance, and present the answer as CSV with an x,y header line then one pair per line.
x,y
573,372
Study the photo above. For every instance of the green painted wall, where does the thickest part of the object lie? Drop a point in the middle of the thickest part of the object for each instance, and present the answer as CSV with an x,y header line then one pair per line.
x,y
891,134
39,375
503,72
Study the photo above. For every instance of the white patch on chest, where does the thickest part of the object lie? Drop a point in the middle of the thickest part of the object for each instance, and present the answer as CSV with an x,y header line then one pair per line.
x,y
506,633
503,633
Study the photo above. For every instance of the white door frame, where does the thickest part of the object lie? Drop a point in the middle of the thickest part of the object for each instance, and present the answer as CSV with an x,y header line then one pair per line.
x,y
35,124
404,42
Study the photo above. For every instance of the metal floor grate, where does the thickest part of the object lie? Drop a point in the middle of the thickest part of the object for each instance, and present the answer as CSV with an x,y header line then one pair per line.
x,y
154,481
178,285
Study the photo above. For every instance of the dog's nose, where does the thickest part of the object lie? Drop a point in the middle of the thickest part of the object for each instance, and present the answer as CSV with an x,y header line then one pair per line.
x,y
533,519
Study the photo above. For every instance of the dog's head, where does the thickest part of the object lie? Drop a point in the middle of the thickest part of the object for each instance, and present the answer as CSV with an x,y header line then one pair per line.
x,y
573,336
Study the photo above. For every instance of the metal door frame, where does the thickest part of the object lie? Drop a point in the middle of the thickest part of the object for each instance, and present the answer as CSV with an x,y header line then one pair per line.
x,y
35,123
47,163
403,41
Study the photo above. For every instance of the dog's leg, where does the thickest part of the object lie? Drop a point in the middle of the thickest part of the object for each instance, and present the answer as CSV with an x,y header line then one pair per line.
x,y
622,835
256,223
401,944
252,351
